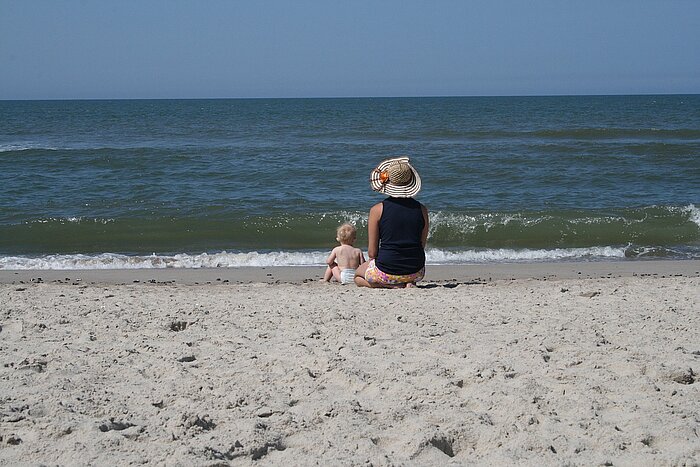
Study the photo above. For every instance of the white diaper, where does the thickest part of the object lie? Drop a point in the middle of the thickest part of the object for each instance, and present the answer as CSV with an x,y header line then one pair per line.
x,y
347,276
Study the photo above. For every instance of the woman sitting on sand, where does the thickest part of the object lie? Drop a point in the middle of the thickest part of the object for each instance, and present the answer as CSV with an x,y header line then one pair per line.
x,y
397,229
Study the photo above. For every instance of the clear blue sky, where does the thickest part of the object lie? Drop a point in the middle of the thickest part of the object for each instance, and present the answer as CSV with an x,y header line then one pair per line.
x,y
52,49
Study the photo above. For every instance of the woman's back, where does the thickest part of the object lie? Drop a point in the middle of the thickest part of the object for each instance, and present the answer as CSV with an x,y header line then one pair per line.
x,y
400,230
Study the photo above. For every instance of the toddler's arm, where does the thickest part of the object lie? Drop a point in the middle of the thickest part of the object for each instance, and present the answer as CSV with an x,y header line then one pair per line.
x,y
330,261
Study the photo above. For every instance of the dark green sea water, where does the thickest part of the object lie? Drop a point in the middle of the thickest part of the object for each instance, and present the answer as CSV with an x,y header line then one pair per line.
x,y
188,183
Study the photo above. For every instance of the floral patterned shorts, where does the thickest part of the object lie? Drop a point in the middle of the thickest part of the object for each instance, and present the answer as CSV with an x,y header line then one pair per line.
x,y
376,277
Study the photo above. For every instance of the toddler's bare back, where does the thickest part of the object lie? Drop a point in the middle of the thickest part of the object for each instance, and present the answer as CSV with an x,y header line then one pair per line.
x,y
348,257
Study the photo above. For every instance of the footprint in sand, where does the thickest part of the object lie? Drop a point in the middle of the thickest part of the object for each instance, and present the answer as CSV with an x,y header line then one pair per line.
x,y
113,424
178,326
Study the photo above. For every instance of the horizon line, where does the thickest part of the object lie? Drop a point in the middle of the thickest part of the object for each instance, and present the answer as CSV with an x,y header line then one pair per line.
x,y
436,96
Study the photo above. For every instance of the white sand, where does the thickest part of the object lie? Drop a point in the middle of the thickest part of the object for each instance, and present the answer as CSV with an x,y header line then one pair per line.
x,y
565,371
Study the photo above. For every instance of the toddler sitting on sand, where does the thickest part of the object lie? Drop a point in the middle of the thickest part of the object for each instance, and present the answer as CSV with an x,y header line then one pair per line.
x,y
344,259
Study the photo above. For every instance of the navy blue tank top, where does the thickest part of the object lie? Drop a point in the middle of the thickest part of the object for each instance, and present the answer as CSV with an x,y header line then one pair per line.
x,y
400,229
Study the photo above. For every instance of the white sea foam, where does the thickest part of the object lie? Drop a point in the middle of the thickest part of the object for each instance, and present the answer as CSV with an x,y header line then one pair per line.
x,y
693,214
435,256
70,220
24,147
288,258
204,260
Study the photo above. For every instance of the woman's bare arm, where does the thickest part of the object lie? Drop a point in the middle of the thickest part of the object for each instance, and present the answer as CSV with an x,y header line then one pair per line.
x,y
375,214
426,227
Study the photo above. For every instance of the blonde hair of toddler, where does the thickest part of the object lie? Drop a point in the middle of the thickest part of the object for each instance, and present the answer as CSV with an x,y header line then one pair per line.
x,y
346,234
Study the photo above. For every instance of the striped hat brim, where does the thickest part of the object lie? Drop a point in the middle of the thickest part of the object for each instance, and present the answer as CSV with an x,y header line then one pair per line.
x,y
381,184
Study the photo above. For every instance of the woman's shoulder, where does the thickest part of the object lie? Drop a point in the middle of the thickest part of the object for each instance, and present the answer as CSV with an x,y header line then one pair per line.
x,y
421,205
377,208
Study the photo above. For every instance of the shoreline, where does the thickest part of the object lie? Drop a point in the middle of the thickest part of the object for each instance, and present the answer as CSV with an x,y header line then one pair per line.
x,y
302,274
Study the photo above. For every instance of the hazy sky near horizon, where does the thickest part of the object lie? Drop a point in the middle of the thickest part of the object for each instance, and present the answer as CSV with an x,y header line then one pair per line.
x,y
330,48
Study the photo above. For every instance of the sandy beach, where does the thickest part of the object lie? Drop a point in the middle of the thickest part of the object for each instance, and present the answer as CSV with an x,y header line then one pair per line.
x,y
527,364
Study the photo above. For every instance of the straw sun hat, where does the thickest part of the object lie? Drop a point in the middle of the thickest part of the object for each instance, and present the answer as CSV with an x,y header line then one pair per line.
x,y
395,177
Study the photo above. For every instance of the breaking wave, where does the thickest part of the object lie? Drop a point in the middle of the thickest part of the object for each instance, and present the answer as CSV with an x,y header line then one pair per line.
x,y
434,256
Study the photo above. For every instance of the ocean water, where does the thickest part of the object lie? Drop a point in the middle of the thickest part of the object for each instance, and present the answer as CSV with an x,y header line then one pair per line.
x,y
236,182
